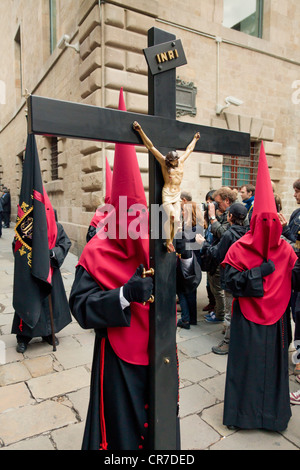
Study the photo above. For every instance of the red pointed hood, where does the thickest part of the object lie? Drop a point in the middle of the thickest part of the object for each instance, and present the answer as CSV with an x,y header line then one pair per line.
x,y
120,246
264,242
265,225
108,182
127,179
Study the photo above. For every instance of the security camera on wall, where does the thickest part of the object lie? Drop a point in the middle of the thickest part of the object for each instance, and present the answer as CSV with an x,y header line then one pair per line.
x,y
233,100
229,100
65,42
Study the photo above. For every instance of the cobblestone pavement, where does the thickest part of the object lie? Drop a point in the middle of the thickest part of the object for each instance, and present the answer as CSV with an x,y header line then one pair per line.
x,y
44,394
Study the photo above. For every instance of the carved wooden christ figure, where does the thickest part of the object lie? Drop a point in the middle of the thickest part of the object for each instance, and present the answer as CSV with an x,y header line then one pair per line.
x,y
172,170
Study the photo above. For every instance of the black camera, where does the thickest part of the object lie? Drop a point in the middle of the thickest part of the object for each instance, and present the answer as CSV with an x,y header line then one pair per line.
x,y
205,206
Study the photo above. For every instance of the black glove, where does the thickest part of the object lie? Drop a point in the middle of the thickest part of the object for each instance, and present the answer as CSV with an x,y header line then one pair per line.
x,y
138,289
267,267
180,246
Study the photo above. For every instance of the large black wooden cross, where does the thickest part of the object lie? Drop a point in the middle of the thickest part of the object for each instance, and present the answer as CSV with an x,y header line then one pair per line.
x,y
71,120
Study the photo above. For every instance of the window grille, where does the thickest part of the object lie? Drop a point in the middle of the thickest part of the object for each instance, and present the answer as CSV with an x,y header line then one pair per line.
x,y
239,171
54,158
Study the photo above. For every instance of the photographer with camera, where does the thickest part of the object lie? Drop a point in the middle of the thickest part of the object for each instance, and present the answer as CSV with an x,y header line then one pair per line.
x,y
217,214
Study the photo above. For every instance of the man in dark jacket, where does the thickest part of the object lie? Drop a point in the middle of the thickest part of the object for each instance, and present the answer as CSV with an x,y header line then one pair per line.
x,y
188,278
61,311
6,207
290,232
236,216
247,192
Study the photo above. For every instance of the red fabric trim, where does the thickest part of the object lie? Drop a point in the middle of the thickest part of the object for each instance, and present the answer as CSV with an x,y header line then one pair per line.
x,y
38,196
21,325
103,444
20,212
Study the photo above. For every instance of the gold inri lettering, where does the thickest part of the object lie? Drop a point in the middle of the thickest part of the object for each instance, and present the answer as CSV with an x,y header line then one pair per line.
x,y
167,56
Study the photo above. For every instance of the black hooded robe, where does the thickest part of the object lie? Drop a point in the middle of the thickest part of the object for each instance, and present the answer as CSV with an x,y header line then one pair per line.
x,y
257,380
61,310
117,416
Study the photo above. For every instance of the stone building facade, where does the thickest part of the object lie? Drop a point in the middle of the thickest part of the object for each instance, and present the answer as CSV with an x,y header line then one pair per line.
x,y
262,72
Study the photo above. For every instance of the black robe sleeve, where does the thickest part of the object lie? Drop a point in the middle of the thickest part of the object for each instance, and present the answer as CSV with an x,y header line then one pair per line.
x,y
90,233
244,284
296,276
94,308
61,248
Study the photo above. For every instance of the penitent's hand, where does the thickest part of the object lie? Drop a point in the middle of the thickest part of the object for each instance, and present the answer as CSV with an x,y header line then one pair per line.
x,y
138,289
197,136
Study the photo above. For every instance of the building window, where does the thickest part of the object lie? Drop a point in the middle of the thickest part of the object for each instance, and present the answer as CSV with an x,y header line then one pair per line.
x,y
52,18
238,171
54,158
246,17
18,63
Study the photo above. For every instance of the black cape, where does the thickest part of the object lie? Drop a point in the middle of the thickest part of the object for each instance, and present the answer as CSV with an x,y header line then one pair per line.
x,y
122,421
61,310
257,380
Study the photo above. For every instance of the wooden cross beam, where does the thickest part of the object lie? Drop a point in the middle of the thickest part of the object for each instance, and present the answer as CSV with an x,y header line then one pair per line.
x,y
79,121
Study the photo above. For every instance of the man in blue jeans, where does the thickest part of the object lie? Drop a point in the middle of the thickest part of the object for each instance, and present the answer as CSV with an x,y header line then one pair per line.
x,y
188,277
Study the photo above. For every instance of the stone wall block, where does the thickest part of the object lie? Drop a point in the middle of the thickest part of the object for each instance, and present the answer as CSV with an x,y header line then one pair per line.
x,y
84,9
216,158
88,147
136,103
60,172
136,63
63,159
92,62
115,58
256,127
275,174
123,39
138,23
96,161
273,148
85,87
85,49
45,166
213,170
245,123
114,16
95,80
219,123
89,24
267,133
134,83
86,164
95,38
232,121
92,181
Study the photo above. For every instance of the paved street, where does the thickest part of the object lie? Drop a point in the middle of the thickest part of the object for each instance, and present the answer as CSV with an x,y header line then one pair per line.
x,y
44,394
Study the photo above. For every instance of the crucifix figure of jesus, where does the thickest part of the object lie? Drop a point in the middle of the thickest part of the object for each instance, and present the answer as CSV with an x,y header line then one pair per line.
x,y
172,170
